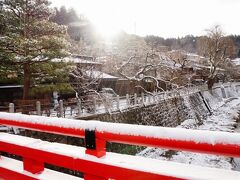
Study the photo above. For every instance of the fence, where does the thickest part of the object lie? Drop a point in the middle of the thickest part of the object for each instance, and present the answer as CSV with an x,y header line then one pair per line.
x,y
96,163
106,104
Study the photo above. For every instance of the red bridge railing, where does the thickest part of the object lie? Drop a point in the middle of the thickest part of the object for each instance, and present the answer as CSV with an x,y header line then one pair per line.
x,y
96,134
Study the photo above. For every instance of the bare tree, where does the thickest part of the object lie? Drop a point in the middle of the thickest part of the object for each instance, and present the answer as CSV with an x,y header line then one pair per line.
x,y
84,80
218,49
149,70
179,57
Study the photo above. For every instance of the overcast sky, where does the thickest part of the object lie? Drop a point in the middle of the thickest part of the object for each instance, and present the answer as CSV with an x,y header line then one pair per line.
x,y
166,18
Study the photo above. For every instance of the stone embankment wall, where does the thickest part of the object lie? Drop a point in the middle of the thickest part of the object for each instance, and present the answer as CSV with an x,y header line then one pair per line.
x,y
171,112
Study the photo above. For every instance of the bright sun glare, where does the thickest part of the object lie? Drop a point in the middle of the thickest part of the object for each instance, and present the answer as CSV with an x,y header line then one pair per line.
x,y
105,26
166,18
108,18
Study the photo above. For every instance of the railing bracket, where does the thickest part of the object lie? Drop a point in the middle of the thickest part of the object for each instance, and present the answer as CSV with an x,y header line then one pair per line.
x,y
90,139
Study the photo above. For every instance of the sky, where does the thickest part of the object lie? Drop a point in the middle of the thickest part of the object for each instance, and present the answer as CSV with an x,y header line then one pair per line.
x,y
165,18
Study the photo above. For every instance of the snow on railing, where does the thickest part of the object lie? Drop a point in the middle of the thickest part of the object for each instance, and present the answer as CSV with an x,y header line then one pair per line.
x,y
185,139
35,152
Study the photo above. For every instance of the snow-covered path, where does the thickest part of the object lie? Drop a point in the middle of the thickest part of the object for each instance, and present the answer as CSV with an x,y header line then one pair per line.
x,y
223,119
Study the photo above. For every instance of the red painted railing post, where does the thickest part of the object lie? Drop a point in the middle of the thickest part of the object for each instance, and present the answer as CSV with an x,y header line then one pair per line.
x,y
33,166
94,145
100,149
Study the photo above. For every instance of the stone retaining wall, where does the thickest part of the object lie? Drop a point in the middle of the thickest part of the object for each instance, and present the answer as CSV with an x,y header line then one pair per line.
x,y
170,112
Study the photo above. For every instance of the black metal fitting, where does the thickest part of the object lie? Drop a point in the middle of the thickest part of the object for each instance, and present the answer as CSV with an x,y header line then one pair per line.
x,y
90,139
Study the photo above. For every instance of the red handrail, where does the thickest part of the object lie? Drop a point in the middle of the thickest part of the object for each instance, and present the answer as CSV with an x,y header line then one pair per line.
x,y
103,135
230,150
219,143
34,160
12,175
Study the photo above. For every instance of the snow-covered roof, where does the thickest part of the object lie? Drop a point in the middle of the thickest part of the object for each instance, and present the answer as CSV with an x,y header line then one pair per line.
x,y
102,59
236,61
195,58
76,60
194,55
100,75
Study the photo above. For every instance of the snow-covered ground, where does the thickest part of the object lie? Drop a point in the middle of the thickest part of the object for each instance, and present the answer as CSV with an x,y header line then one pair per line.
x,y
224,118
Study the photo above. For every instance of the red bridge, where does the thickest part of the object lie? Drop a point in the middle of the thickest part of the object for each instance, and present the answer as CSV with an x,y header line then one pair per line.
x,y
93,160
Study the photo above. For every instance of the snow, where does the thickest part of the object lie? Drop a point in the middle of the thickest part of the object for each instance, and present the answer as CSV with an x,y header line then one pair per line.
x,y
100,75
76,60
125,161
198,136
212,100
17,166
236,61
223,119
4,128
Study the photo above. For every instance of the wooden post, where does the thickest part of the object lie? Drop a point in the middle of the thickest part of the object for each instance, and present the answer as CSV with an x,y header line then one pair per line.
x,y
223,92
107,108
38,108
154,97
118,103
149,99
11,110
79,107
135,98
127,98
235,88
61,108
142,95
11,107
94,105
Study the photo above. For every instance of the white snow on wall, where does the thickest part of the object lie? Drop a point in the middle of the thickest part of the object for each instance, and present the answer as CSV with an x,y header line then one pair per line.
x,y
218,93
223,119
211,100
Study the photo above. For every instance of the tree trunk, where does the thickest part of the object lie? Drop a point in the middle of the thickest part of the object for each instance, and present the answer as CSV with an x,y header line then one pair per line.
x,y
26,83
210,83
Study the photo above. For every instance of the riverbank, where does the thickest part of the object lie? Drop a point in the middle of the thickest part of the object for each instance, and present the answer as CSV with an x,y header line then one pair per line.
x,y
224,118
